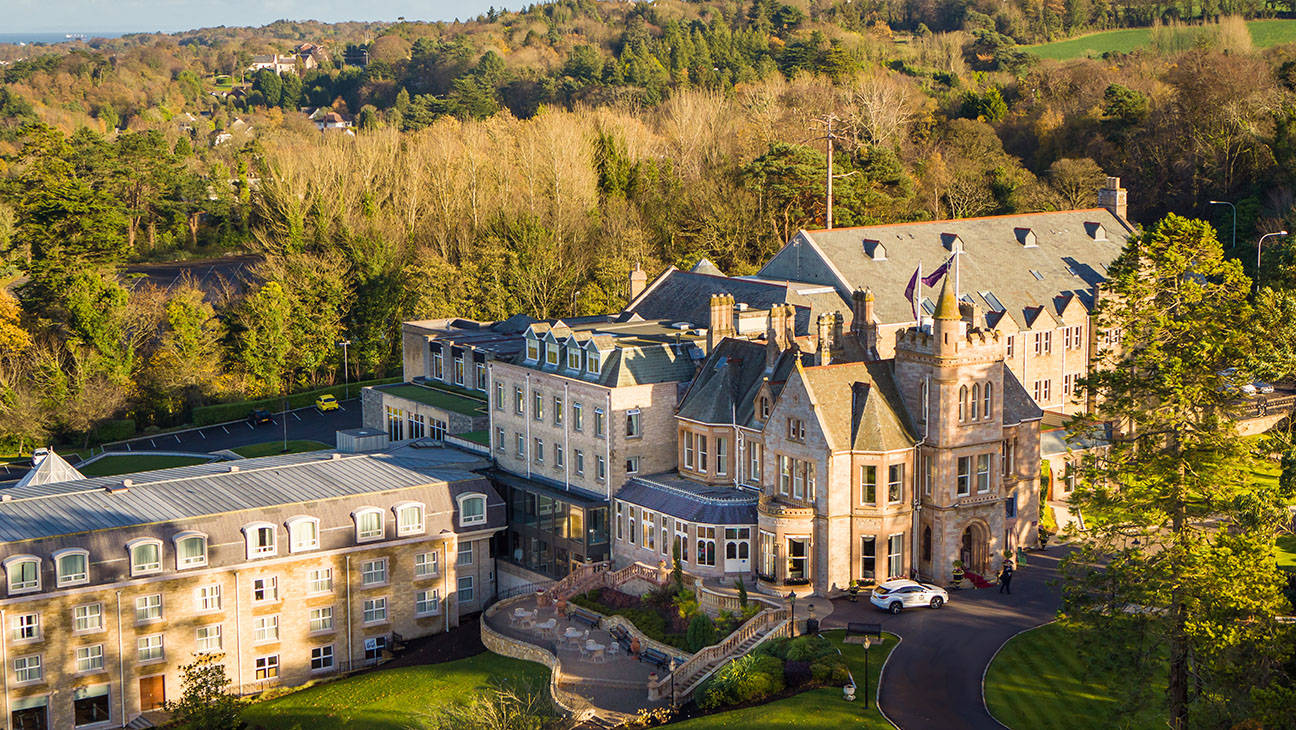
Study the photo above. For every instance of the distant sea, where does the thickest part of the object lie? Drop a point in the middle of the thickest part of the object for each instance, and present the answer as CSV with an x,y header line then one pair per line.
x,y
52,37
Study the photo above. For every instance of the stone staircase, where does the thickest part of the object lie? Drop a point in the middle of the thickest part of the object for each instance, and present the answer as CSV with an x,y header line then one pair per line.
x,y
690,675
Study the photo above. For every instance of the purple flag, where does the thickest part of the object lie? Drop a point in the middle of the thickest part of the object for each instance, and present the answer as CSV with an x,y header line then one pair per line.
x,y
933,277
909,291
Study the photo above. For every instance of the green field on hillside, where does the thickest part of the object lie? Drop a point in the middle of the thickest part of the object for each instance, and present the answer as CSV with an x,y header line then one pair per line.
x,y
1264,33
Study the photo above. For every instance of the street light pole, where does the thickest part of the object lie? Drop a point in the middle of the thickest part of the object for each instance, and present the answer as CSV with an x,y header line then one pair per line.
x,y
346,383
1234,207
1258,245
791,596
866,671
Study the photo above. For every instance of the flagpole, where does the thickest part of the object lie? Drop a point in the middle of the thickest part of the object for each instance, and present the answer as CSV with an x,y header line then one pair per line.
x,y
958,259
917,295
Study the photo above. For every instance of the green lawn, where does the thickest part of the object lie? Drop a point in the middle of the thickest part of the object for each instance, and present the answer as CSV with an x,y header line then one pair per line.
x,y
392,699
110,465
438,398
273,448
1264,33
1286,552
818,708
1039,681
477,437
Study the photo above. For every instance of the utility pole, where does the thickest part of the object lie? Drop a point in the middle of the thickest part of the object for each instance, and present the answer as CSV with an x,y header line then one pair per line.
x,y
829,136
346,383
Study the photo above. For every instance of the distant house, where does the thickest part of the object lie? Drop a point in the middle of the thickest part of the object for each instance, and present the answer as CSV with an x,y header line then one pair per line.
x,y
331,120
311,55
274,62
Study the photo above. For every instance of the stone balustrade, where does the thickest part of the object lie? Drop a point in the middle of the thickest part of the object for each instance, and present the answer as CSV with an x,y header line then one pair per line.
x,y
717,654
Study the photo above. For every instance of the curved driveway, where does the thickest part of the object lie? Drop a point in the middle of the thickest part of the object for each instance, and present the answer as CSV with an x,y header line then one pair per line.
x,y
933,678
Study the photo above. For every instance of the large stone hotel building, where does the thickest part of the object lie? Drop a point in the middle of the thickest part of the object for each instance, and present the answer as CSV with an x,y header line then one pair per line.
x,y
811,426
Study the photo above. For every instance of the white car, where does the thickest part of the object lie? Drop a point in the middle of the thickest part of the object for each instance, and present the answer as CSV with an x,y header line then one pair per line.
x,y
897,595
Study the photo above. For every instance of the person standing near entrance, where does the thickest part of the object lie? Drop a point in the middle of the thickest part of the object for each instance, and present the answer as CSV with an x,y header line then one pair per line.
x,y
1005,578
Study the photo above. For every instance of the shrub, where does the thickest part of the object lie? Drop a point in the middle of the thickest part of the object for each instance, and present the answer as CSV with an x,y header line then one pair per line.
x,y
746,679
115,430
796,674
829,670
701,632
808,649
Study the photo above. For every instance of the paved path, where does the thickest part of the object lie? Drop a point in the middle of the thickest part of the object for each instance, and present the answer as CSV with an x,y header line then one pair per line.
x,y
933,678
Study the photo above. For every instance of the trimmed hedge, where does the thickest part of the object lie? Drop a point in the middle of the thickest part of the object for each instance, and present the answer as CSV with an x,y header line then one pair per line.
x,y
222,412
114,430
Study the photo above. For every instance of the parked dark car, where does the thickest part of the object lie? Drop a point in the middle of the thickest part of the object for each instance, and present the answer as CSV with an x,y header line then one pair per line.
x,y
260,416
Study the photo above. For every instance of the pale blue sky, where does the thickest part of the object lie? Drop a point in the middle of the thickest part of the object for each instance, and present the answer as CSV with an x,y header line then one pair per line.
x,y
22,16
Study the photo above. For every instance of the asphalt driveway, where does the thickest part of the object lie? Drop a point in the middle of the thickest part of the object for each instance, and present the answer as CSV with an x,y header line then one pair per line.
x,y
933,678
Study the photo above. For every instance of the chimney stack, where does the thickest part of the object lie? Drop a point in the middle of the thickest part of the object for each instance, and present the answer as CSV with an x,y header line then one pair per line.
x,y
825,338
1113,197
864,324
721,321
638,282
776,337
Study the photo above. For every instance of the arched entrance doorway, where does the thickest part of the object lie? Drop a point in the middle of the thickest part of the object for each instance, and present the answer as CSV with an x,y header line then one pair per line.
x,y
975,548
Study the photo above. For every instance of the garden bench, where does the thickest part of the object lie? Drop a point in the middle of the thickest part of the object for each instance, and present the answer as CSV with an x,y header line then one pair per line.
x,y
654,656
621,636
584,617
857,628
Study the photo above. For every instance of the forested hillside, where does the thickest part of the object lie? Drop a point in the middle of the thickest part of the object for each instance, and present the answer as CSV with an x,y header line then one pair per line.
x,y
524,162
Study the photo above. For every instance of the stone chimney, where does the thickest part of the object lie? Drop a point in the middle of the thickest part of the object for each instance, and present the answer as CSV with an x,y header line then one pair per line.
x,y
864,324
858,307
1113,197
638,282
722,318
779,335
825,338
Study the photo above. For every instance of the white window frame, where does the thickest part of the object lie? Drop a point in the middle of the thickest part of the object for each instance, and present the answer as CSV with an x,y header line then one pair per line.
x,y
145,643
427,565
316,577
465,548
30,664
13,563
472,591
377,607
89,660
140,542
464,519
204,595
270,585
251,534
180,537
322,654
427,603
374,573
320,620
145,604
58,555
265,629
21,624
202,642
382,524
294,525
415,529
266,668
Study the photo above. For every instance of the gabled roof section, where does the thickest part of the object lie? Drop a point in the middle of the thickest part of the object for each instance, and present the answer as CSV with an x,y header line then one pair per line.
x,y
859,406
729,380
1018,406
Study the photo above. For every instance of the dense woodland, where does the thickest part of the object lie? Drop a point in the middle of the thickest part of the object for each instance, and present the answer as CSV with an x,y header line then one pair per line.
x,y
525,162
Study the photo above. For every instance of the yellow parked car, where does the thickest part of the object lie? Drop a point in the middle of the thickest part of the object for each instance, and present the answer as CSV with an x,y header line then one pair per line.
x,y
326,403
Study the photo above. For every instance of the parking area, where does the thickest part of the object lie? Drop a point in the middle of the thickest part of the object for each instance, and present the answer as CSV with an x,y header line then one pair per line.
x,y
303,424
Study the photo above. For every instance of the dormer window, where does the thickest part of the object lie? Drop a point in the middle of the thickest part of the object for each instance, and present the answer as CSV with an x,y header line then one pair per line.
x,y
764,408
23,572
551,354
369,524
573,358
472,509
145,556
72,567
592,362
409,518
303,534
261,540
532,349
191,550
874,249
1026,237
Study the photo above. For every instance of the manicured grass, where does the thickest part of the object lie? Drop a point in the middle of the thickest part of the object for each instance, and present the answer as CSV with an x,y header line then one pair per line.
x,y
816,709
110,465
1285,550
274,448
1264,33
477,437
1041,681
438,398
393,699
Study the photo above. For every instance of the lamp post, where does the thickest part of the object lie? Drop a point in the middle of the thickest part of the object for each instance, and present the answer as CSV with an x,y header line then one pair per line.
x,y
866,671
791,596
1234,207
1258,245
346,383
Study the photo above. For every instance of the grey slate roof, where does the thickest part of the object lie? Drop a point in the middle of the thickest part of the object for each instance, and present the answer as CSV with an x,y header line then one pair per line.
x,y
998,272
190,492
859,406
684,296
1018,405
726,385
691,501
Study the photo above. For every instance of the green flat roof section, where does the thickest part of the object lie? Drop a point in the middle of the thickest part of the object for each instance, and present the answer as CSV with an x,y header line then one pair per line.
x,y
437,398
477,437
